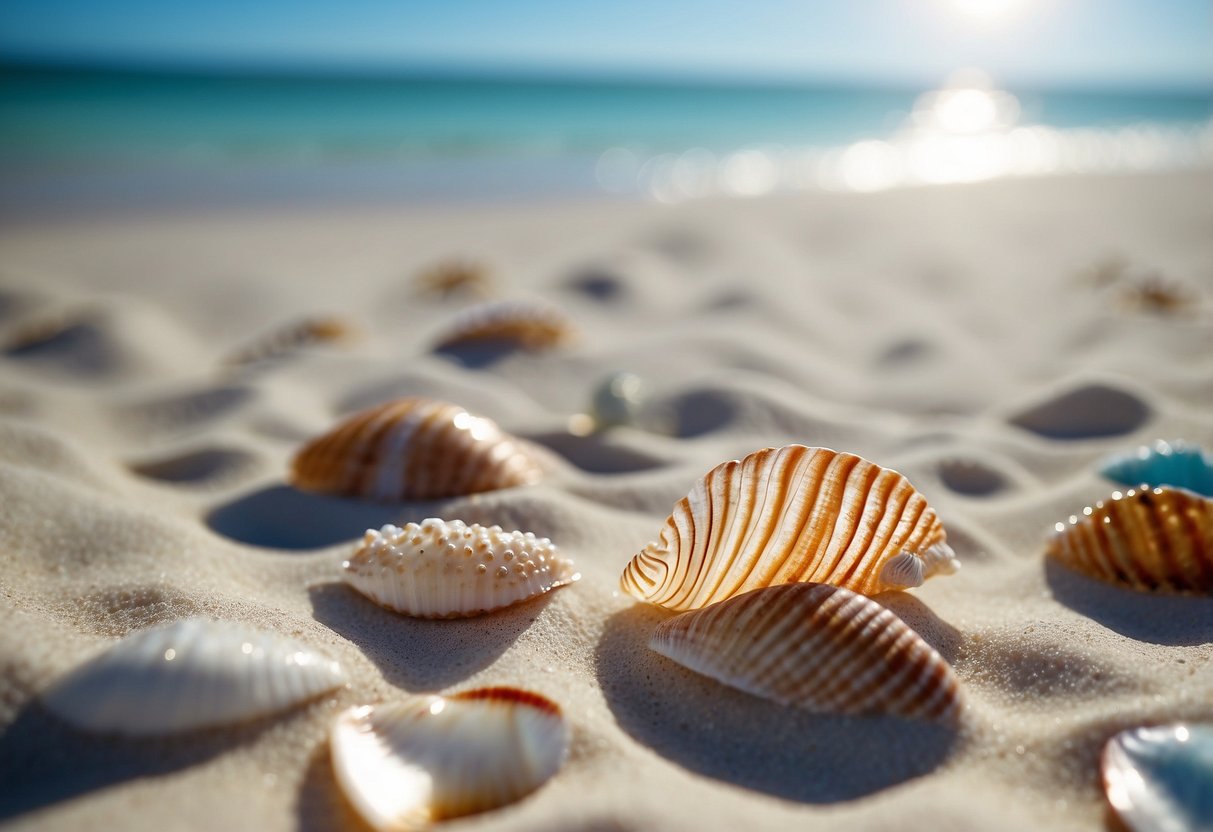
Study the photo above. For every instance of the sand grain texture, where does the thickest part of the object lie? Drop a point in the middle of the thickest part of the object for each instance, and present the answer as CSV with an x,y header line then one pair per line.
x,y
941,332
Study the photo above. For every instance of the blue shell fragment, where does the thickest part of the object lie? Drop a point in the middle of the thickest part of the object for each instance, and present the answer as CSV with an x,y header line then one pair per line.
x,y
1179,464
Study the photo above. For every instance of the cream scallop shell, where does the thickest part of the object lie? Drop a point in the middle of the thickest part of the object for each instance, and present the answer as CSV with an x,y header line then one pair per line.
x,y
791,514
192,674
813,646
405,764
414,449
448,569
531,324
1148,538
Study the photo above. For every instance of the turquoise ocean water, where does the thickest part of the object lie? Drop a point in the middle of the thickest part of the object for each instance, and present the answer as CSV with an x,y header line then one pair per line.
x,y
92,136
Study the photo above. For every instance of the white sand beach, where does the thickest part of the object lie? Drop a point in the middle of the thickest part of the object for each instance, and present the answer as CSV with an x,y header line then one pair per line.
x,y
982,339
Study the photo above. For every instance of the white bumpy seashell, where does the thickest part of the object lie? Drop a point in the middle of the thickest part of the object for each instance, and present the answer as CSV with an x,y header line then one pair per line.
x,y
818,647
791,514
1160,779
530,324
405,764
414,449
191,674
1178,464
1150,539
448,569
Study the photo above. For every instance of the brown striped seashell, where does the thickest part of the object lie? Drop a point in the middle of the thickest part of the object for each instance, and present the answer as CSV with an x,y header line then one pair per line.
x,y
813,646
1146,538
289,339
413,449
791,514
448,569
530,324
404,765
454,277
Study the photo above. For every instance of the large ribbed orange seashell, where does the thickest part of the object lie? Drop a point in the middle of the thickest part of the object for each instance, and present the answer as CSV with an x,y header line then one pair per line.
x,y
791,514
813,646
1148,538
413,449
530,324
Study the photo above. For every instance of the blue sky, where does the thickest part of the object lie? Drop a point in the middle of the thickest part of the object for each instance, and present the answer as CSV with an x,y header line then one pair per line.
x,y
1054,42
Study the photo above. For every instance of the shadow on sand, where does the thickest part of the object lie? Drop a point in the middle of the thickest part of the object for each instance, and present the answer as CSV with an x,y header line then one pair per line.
x,y
728,735
44,761
420,654
280,517
1156,617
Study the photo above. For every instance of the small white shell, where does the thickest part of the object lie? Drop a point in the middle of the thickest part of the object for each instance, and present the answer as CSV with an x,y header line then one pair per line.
x,y
791,514
448,569
191,674
1161,779
405,764
817,647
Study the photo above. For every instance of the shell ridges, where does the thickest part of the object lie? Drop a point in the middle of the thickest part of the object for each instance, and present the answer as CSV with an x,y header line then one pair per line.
x,y
791,514
449,569
1148,539
814,646
413,449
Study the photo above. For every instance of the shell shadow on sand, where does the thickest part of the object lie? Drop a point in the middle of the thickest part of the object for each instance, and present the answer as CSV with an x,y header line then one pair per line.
x,y
1087,412
321,805
728,735
43,761
1155,617
596,454
281,517
420,654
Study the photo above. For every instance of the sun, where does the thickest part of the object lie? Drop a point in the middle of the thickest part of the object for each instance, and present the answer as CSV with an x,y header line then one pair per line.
x,y
988,11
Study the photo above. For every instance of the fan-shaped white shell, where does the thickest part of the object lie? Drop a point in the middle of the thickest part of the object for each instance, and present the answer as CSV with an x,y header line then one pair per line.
x,y
448,569
818,647
195,673
405,764
1160,779
791,514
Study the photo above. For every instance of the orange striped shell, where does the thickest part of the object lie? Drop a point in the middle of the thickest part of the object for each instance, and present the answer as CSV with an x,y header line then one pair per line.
x,y
530,324
289,339
813,646
413,449
1147,538
791,514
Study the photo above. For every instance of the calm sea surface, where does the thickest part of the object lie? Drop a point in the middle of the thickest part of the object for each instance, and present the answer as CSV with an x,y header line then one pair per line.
x,y
84,134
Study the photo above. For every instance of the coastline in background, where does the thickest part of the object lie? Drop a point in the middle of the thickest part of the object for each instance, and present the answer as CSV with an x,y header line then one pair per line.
x,y
79,140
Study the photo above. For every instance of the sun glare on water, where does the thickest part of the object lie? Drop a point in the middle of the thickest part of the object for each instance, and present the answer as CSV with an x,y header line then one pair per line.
x,y
987,11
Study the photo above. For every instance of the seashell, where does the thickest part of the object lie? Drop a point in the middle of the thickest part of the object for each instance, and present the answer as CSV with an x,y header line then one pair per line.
x,y
1152,292
454,277
618,400
814,646
1160,779
791,514
1152,538
413,449
1177,463
288,339
448,569
405,764
191,674
530,324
